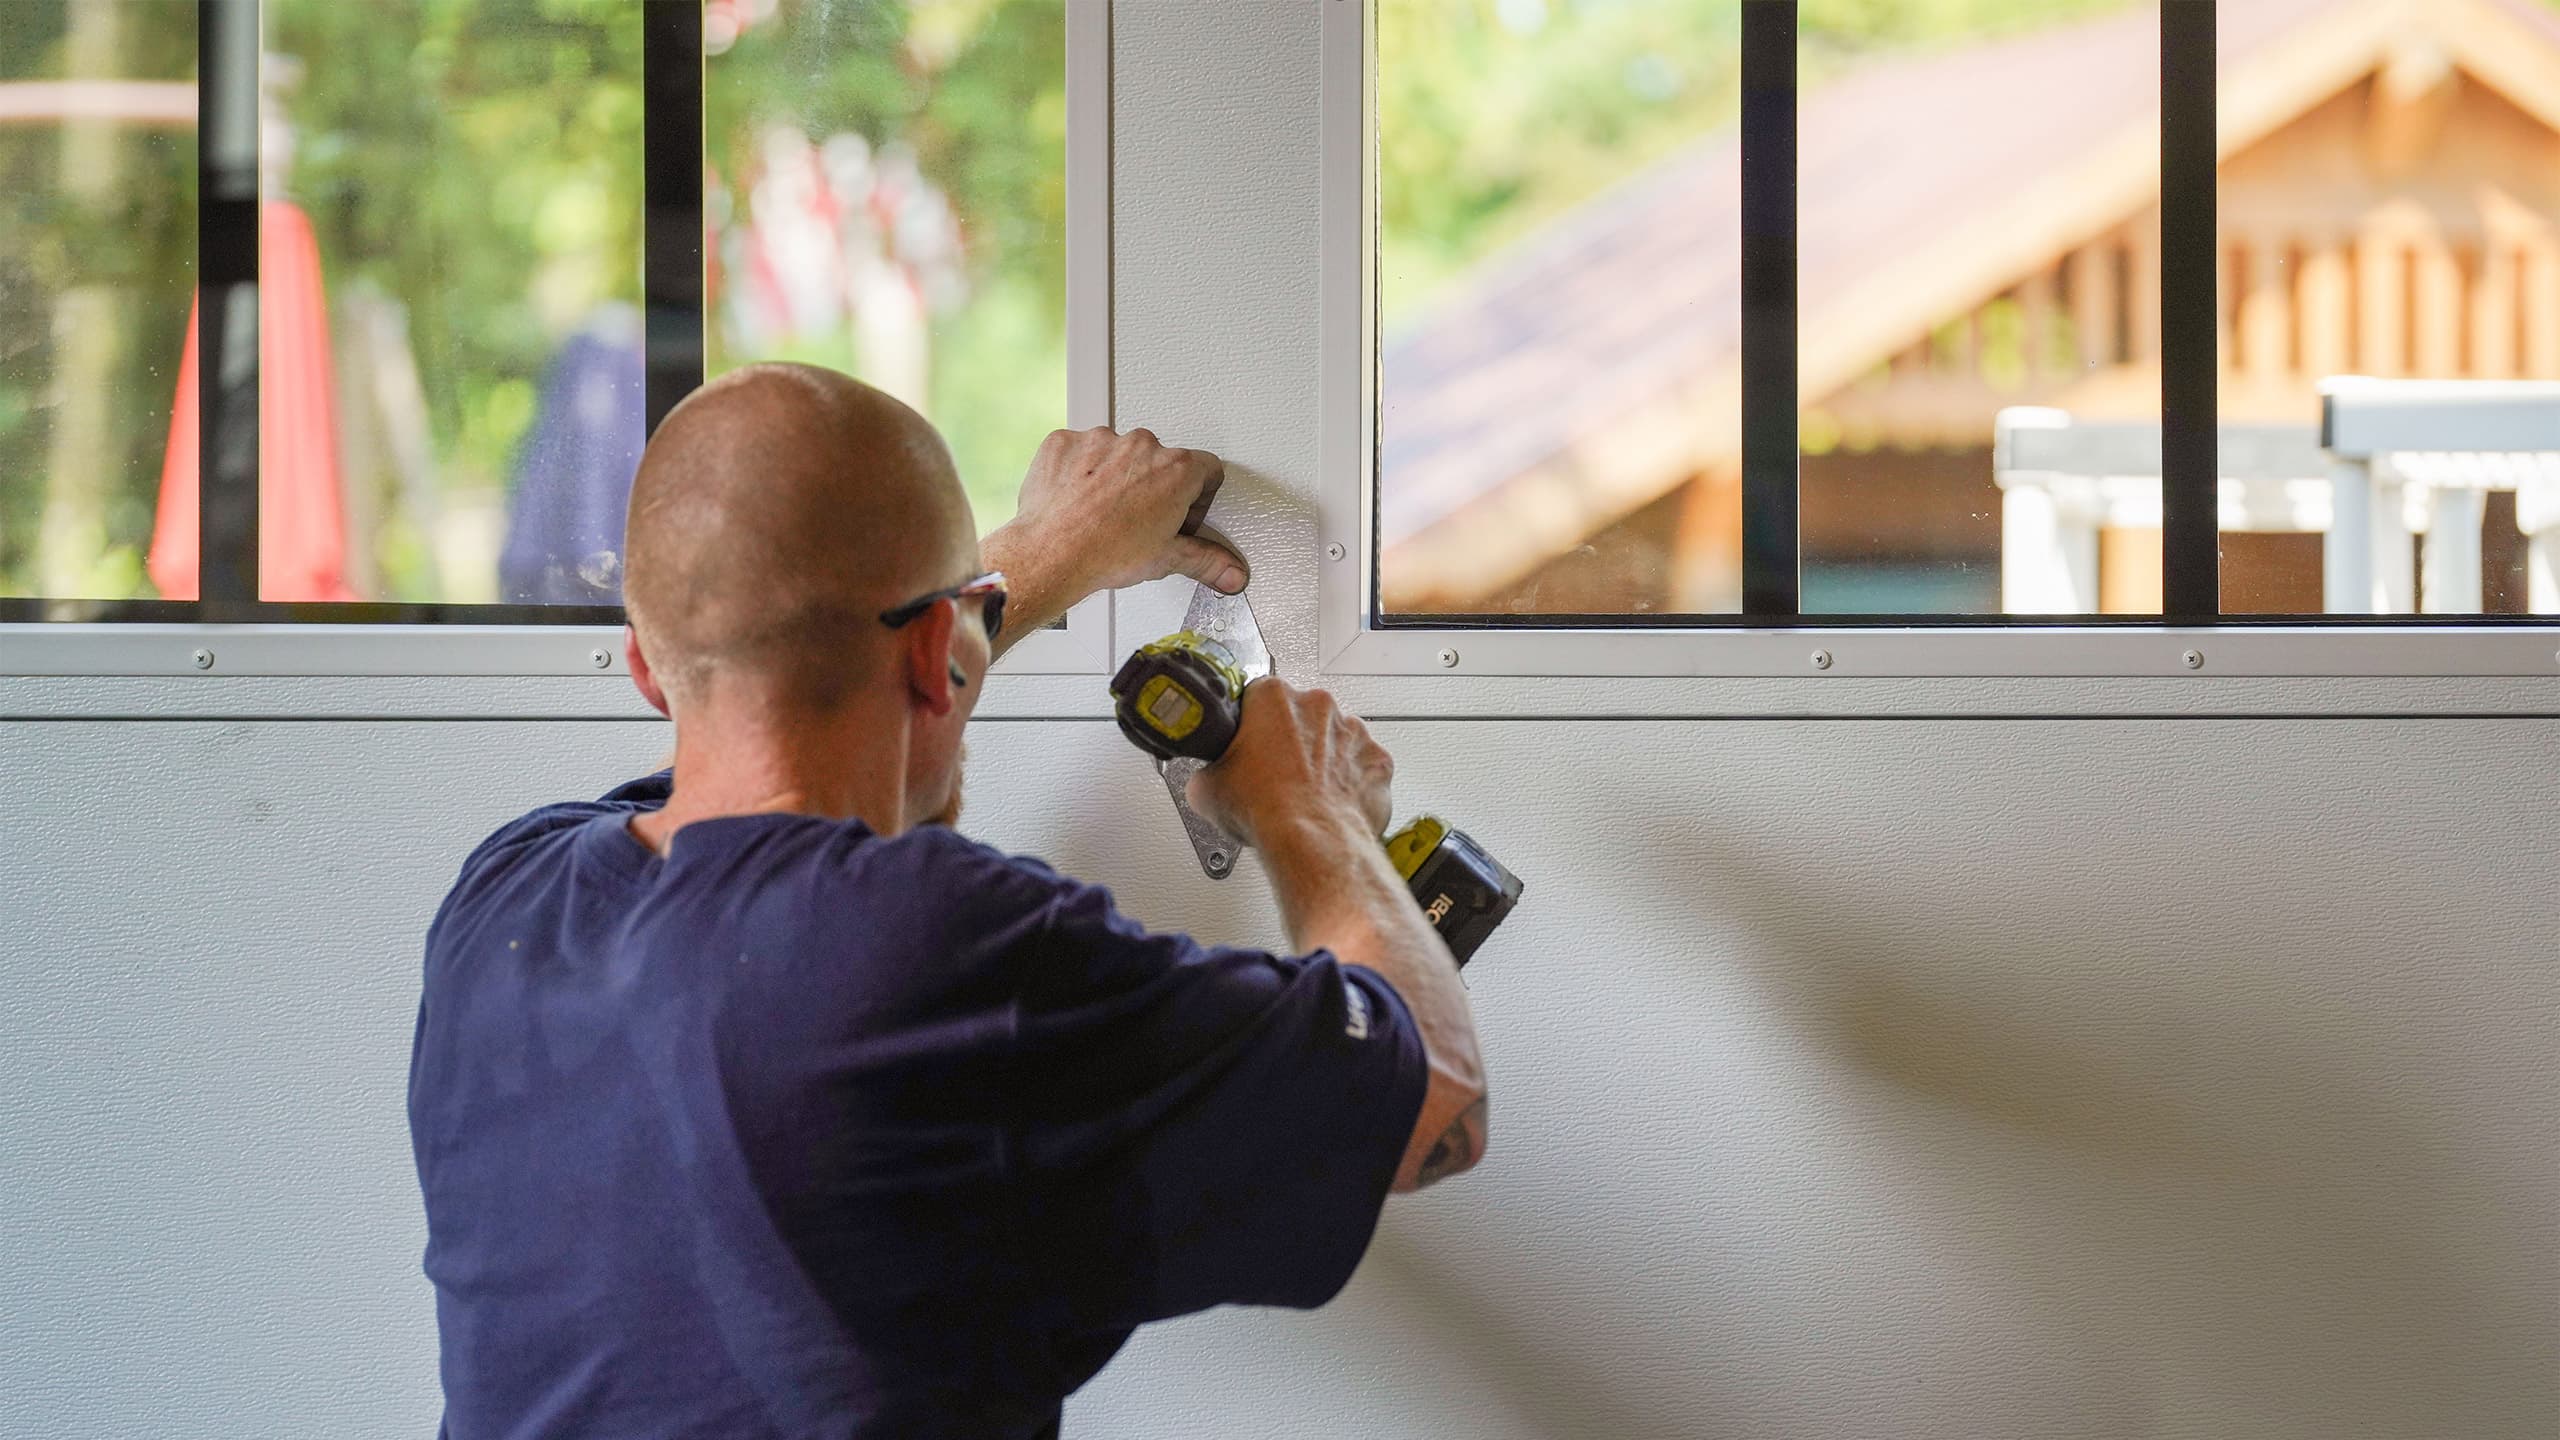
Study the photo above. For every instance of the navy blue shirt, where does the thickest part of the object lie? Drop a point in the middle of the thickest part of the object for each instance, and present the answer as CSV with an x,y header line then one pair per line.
x,y
803,1132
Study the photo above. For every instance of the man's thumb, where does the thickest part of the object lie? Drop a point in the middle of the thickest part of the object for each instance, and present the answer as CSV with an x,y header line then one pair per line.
x,y
1208,562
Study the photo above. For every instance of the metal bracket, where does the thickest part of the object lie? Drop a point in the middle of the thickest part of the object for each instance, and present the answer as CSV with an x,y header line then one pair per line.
x,y
1227,619
1216,850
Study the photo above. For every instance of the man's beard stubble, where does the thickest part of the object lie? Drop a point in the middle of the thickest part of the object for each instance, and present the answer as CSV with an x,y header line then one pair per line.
x,y
949,815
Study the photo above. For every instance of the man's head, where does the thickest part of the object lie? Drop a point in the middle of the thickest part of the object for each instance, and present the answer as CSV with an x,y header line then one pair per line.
x,y
777,512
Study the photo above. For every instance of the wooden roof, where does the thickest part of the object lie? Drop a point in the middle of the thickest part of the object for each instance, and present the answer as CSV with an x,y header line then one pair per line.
x,y
1595,365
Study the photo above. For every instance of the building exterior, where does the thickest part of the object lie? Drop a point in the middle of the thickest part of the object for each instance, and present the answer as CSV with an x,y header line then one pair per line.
x,y
1978,229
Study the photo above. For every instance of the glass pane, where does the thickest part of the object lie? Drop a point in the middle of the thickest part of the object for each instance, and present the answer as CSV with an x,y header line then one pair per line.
x,y
1980,256
2390,209
1559,288
97,260
887,196
451,404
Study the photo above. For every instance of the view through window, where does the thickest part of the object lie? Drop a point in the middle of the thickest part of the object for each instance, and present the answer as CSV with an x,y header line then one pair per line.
x,y
887,196
1980,301
452,402
2389,209
97,261
451,387
450,390
1979,229
1559,389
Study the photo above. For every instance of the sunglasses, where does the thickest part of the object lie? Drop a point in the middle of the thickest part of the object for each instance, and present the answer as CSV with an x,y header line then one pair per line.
x,y
988,587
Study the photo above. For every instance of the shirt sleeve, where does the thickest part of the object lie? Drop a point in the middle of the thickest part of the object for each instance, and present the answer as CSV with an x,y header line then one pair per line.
x,y
1204,1125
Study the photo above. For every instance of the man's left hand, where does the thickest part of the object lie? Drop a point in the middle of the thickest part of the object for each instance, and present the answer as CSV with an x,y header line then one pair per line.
x,y
1101,510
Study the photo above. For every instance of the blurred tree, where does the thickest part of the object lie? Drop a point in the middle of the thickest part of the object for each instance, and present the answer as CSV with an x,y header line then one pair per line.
x,y
88,333
1498,115
97,261
975,90
479,162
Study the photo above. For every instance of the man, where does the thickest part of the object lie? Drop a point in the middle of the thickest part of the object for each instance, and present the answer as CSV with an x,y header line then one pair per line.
x,y
752,1101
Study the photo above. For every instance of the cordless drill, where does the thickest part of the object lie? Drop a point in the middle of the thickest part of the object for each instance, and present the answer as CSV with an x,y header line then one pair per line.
x,y
1183,697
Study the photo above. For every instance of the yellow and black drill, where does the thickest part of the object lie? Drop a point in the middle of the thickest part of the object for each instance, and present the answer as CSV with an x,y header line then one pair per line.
x,y
1182,697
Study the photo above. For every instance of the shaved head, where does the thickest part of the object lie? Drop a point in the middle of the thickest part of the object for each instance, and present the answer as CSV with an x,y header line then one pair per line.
x,y
776,513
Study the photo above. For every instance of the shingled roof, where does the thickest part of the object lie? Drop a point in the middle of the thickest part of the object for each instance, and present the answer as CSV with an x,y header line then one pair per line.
x,y
1595,365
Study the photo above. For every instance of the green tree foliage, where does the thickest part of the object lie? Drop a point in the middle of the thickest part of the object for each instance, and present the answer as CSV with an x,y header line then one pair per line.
x,y
481,162
478,164
478,161
1497,115
133,239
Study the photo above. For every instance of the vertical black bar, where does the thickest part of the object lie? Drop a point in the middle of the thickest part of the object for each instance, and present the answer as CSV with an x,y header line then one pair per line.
x,y
2190,276
671,273
1769,441
227,301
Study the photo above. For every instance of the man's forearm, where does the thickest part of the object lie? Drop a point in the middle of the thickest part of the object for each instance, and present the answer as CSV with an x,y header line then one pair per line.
x,y
1338,892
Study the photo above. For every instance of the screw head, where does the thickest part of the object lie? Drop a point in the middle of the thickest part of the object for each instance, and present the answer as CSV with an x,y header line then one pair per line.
x,y
2193,659
1335,551
1448,659
1218,859
204,659
601,659
1821,659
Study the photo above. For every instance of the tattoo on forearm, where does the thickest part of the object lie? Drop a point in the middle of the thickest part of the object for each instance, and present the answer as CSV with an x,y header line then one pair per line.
x,y
1457,1147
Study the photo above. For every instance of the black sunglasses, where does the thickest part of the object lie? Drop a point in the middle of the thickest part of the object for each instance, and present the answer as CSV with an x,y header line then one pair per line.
x,y
989,587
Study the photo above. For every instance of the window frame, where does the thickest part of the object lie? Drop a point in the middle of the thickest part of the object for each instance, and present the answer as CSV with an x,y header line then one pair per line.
x,y
226,634
1771,637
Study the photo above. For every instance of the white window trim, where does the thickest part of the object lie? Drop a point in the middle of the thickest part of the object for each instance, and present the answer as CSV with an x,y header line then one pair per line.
x,y
1083,646
1353,644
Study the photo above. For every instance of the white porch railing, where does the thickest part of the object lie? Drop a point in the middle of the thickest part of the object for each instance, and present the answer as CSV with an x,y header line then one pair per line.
x,y
2391,459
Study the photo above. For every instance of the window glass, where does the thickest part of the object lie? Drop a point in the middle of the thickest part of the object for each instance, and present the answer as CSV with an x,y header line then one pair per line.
x,y
887,196
451,405
1979,250
2389,208
1559,292
97,260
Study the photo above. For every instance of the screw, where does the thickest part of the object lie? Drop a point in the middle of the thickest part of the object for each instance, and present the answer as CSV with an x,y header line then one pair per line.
x,y
1821,659
204,659
1217,859
1448,659
2193,659
1335,551
600,659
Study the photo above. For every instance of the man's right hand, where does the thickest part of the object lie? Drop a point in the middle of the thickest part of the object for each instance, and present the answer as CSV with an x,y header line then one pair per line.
x,y
1297,755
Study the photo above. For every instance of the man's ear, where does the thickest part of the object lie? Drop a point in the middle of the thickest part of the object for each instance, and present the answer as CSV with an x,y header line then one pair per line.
x,y
640,674
932,675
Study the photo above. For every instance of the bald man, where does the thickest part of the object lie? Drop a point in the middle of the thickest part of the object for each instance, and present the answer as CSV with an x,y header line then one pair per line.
x,y
753,1101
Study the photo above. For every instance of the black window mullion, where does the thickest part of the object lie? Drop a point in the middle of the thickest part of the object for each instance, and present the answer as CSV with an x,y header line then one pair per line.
x,y
2190,277
671,274
227,304
1770,471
